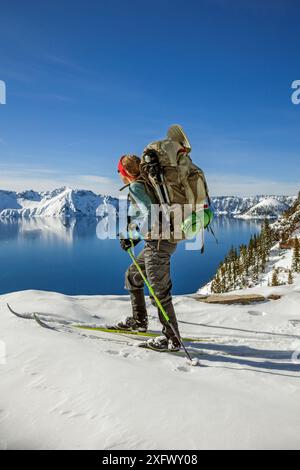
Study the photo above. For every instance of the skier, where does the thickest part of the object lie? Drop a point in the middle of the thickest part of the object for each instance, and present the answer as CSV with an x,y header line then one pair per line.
x,y
154,260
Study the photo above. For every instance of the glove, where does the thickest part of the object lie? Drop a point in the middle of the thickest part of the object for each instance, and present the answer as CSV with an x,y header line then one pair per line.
x,y
126,243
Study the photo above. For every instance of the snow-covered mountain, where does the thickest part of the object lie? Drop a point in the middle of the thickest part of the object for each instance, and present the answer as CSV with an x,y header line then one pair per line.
x,y
67,202
237,206
62,202
269,208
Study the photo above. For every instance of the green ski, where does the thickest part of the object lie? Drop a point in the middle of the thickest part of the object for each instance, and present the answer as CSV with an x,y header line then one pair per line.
x,y
104,329
148,334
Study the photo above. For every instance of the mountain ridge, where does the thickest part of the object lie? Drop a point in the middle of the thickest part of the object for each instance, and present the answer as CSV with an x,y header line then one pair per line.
x,y
61,202
237,206
68,202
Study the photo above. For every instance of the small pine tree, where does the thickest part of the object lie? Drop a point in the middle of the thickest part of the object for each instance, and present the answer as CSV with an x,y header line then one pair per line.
x,y
263,261
275,280
243,267
296,256
254,278
216,285
290,279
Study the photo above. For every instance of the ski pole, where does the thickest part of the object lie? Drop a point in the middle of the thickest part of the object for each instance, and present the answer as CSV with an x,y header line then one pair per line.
x,y
161,308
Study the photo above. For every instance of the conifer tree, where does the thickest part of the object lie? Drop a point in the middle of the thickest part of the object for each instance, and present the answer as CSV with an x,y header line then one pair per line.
x,y
296,256
275,280
215,284
243,267
290,279
267,234
263,260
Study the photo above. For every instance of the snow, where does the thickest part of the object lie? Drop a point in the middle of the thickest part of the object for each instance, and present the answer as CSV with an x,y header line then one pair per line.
x,y
8,199
88,390
280,259
269,207
62,202
80,389
68,202
239,206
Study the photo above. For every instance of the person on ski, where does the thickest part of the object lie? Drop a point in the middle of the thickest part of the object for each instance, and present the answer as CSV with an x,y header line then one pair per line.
x,y
154,260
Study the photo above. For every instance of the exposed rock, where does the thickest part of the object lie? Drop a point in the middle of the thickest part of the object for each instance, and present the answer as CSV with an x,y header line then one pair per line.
x,y
287,245
274,297
231,299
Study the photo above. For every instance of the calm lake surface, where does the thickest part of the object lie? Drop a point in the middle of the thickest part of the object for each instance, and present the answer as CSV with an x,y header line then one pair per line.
x,y
67,257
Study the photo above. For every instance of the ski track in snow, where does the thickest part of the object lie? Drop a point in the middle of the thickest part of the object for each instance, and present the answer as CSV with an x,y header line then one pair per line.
x,y
92,390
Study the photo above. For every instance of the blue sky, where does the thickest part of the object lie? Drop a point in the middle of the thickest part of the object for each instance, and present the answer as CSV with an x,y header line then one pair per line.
x,y
89,80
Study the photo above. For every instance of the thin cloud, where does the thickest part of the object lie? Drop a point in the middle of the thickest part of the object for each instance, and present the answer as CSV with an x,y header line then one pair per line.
x,y
20,178
40,179
240,185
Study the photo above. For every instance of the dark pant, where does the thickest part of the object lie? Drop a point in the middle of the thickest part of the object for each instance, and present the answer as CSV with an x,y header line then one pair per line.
x,y
154,261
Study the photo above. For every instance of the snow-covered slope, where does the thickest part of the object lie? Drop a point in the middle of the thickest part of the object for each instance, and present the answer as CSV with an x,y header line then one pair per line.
x,y
287,228
80,389
236,206
289,224
268,208
63,202
8,199
85,390
279,258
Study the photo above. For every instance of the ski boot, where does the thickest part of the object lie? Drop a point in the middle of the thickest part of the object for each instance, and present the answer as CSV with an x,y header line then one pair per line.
x,y
131,324
162,343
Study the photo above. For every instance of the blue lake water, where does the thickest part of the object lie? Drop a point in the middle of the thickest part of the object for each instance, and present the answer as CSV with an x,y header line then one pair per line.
x,y
67,257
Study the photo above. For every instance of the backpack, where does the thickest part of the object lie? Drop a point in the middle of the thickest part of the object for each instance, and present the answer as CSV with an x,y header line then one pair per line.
x,y
168,167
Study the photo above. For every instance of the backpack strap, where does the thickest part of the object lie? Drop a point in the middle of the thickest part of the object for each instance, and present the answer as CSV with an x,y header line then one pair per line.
x,y
148,187
143,180
206,189
124,187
